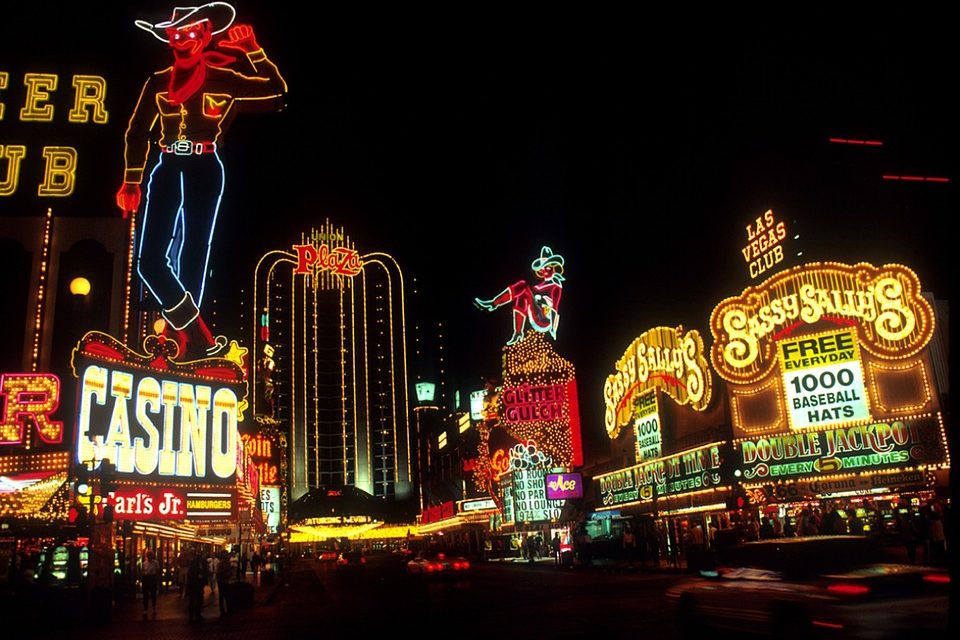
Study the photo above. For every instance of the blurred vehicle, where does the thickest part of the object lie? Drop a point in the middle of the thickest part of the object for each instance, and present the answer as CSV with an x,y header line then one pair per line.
x,y
437,563
817,586
327,555
351,563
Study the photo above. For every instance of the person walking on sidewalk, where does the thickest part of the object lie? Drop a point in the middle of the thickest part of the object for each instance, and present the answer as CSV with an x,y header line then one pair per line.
x,y
255,567
224,575
149,575
196,582
555,546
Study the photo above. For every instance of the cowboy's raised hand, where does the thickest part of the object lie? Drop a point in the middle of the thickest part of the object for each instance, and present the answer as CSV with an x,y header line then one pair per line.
x,y
241,38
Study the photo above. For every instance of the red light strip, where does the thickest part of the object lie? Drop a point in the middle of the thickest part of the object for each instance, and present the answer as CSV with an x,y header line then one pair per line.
x,y
916,178
869,143
828,625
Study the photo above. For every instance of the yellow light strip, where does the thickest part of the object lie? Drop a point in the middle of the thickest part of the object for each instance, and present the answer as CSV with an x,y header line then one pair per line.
x,y
41,294
780,423
884,406
132,234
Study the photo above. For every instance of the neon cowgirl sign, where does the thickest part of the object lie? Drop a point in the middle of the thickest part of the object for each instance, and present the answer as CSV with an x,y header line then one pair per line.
x,y
188,106
536,305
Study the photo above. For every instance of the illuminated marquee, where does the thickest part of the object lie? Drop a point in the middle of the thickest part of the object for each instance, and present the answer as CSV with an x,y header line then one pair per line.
x,y
59,161
883,304
155,419
646,427
260,448
561,486
538,400
529,403
661,358
882,446
270,507
29,400
764,248
692,470
149,504
823,380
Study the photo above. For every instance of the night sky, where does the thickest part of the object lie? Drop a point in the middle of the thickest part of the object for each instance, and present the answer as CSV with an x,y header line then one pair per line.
x,y
462,140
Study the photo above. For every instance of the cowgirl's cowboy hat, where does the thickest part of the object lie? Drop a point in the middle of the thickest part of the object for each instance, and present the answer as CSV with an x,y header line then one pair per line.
x,y
547,259
220,15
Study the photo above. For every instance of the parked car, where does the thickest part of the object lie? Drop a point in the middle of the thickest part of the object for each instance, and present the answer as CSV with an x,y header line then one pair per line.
x,y
351,563
327,555
818,586
437,563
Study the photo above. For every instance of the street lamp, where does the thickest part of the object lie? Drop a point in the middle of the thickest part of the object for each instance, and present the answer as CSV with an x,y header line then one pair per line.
x,y
80,286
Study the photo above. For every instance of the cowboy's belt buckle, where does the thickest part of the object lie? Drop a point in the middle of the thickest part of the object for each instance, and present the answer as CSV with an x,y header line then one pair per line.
x,y
182,148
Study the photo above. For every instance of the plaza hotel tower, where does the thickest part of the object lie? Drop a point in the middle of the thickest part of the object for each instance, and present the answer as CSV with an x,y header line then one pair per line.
x,y
330,346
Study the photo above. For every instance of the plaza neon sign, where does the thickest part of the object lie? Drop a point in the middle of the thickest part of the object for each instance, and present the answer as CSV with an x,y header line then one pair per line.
x,y
891,318
341,261
60,161
661,358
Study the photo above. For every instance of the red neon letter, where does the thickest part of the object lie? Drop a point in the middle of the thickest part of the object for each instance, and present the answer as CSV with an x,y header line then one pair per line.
x,y
30,399
306,257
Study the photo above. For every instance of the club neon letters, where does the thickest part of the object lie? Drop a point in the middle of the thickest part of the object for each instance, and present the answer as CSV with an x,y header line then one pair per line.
x,y
60,161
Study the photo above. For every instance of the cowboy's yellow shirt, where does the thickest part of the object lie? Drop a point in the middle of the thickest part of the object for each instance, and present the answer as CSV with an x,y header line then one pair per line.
x,y
204,116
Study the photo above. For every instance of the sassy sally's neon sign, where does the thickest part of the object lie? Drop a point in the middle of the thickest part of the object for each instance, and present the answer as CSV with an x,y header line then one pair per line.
x,y
59,161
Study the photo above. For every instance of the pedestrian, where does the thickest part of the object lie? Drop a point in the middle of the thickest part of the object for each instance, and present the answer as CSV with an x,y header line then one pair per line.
x,y
243,566
184,110
555,546
183,565
149,577
212,563
531,548
223,577
938,540
255,567
197,579
629,545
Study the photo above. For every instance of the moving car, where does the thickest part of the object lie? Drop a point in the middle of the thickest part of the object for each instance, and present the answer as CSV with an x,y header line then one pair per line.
x,y
437,563
817,586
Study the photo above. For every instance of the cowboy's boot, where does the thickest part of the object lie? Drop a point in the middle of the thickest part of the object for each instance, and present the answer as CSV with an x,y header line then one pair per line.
x,y
193,338
501,299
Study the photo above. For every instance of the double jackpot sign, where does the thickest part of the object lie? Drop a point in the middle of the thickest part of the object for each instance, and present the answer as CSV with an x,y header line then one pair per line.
x,y
829,372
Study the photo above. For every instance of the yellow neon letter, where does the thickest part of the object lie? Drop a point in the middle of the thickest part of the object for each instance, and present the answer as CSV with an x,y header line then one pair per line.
x,y
88,96
14,154
223,445
60,173
4,78
39,86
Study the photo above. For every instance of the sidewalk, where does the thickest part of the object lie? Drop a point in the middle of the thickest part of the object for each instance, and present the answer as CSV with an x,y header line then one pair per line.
x,y
170,606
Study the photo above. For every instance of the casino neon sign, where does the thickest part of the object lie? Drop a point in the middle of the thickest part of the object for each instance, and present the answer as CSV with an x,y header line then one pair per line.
x,y
169,422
